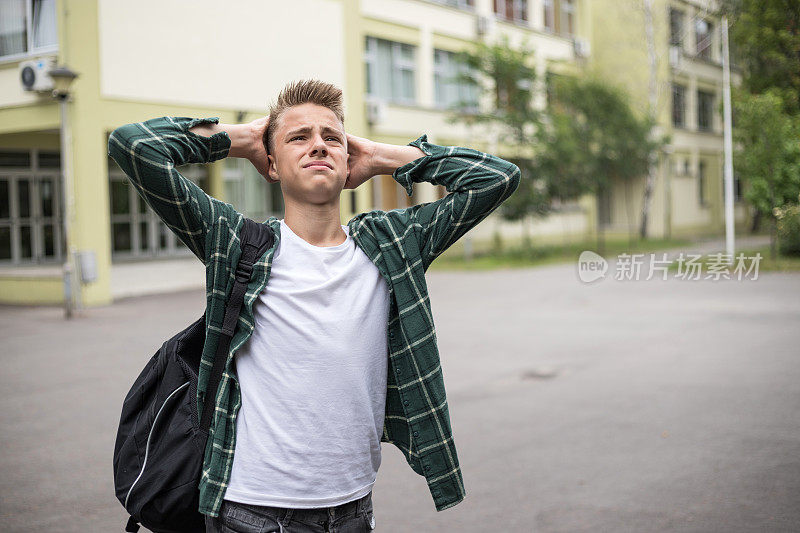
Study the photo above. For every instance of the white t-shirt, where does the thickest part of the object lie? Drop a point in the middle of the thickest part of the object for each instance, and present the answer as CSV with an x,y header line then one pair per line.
x,y
313,379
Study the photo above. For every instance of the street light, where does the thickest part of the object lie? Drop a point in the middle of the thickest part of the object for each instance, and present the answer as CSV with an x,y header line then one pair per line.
x,y
62,79
728,143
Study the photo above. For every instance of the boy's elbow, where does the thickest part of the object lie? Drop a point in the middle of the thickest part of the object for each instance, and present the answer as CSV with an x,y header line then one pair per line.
x,y
113,148
514,175
118,140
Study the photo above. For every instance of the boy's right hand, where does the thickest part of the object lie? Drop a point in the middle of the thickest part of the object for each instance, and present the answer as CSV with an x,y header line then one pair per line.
x,y
258,154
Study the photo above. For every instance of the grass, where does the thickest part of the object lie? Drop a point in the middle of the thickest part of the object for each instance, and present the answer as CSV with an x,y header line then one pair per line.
x,y
547,254
782,263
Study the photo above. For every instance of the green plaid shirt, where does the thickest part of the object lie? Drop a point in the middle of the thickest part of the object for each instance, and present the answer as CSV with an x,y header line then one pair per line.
x,y
401,243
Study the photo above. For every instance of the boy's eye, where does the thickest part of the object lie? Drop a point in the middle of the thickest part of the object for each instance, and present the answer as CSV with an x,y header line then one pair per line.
x,y
303,136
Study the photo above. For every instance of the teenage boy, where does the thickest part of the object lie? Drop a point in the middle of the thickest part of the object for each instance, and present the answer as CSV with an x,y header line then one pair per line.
x,y
335,348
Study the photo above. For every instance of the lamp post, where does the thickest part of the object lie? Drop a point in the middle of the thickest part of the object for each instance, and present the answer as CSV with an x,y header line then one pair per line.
x,y
728,143
62,79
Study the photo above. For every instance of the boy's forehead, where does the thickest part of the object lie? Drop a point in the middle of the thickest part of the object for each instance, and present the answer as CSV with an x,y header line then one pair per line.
x,y
309,115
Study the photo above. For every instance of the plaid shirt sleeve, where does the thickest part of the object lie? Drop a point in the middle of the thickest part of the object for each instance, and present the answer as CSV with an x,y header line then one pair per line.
x,y
477,182
148,153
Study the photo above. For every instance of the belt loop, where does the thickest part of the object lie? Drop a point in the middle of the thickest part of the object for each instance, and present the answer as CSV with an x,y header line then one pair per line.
x,y
287,516
362,502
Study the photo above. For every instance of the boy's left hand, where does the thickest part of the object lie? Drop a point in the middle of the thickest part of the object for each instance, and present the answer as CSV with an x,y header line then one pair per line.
x,y
360,160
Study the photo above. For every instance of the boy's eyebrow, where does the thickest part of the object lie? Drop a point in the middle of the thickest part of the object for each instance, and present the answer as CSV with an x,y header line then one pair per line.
x,y
306,129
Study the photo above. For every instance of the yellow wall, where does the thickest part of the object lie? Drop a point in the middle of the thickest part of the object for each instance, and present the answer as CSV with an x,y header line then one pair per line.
x,y
209,53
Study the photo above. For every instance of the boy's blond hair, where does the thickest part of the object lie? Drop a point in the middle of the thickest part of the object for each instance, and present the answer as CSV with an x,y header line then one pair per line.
x,y
302,92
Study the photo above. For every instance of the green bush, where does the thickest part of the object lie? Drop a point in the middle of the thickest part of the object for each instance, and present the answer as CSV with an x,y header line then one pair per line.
x,y
788,229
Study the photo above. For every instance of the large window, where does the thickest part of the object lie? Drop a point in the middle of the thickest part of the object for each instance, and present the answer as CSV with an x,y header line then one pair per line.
x,y
675,27
390,70
30,207
136,230
705,102
26,27
703,31
678,105
568,17
513,10
449,90
249,192
701,183
549,18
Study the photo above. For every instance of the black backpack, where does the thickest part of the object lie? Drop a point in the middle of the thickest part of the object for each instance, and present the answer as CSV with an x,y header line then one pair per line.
x,y
158,454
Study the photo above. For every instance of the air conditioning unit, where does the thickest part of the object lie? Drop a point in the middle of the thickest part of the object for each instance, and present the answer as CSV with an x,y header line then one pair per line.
x,y
376,112
35,75
581,47
675,56
482,25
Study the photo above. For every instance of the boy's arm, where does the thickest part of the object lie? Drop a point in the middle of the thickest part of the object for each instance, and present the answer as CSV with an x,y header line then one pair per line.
x,y
148,153
477,183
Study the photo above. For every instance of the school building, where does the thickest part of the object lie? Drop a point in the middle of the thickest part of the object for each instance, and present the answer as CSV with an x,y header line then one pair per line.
x,y
62,200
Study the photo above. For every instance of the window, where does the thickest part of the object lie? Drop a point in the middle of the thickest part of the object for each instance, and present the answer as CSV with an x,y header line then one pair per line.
x,y
567,17
549,18
701,183
705,101
675,27
678,106
737,187
449,90
136,230
390,70
353,202
249,192
513,10
30,207
702,34
27,26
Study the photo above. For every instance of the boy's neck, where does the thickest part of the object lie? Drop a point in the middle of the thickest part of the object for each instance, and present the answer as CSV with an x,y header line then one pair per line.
x,y
319,225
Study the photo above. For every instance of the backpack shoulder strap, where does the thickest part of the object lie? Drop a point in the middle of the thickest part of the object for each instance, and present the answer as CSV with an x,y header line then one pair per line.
x,y
255,239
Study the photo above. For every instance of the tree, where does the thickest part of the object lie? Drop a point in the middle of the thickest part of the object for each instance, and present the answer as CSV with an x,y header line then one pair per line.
x,y
765,39
765,44
592,137
587,135
768,153
504,76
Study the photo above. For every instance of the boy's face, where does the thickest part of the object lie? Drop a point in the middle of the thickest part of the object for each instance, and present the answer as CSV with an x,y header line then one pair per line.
x,y
310,154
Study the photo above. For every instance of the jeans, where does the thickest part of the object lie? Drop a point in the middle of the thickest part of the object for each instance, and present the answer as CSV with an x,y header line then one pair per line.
x,y
351,517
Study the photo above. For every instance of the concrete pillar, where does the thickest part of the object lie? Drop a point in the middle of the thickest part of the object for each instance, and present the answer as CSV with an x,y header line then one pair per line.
x,y
216,183
424,75
91,225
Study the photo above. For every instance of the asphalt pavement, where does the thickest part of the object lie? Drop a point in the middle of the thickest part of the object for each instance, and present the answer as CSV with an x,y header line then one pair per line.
x,y
646,406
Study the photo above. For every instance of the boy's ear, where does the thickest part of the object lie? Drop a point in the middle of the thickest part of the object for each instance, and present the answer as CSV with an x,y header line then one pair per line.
x,y
347,159
272,168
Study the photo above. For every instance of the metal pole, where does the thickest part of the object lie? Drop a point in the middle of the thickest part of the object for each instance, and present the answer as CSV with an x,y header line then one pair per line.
x,y
70,285
728,141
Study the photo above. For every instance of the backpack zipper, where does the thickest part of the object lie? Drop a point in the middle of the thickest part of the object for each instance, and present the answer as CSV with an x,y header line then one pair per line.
x,y
149,436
